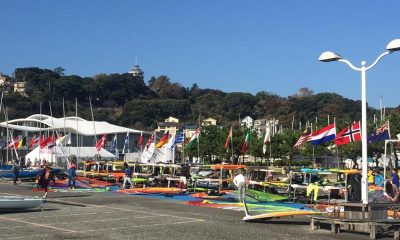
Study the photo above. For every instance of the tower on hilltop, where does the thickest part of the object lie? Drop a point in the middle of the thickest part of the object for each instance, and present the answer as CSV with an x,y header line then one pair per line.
x,y
136,71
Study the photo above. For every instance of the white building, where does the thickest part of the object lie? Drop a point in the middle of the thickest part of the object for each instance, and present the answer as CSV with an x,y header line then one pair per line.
x,y
247,122
83,133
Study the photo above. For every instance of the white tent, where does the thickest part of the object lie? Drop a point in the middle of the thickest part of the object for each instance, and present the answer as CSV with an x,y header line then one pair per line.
x,y
84,153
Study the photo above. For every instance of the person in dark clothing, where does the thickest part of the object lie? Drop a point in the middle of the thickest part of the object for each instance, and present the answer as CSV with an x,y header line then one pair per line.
x,y
44,177
392,192
128,175
15,170
71,175
395,177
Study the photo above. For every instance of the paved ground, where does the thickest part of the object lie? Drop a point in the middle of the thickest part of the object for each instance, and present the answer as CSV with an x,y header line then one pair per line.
x,y
115,216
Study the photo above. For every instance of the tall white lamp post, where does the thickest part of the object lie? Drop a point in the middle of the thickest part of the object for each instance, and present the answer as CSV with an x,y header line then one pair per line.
x,y
328,56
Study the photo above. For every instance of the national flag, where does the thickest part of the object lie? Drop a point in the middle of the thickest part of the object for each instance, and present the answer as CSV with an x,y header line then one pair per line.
x,y
267,138
228,139
101,142
171,142
180,136
194,138
305,137
34,140
13,143
22,142
163,140
52,142
141,139
380,134
149,141
126,143
114,143
349,134
246,142
324,134
46,141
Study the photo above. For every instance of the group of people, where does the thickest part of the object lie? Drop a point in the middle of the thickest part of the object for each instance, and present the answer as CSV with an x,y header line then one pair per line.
x,y
391,186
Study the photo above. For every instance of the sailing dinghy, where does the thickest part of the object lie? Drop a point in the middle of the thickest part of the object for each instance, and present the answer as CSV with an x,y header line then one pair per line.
x,y
20,202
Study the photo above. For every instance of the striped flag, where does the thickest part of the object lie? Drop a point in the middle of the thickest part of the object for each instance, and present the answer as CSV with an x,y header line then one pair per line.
x,y
163,140
246,142
229,138
180,137
101,142
305,137
126,143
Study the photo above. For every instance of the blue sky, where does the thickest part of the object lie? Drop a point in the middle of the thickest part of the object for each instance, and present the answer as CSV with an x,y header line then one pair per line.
x,y
246,46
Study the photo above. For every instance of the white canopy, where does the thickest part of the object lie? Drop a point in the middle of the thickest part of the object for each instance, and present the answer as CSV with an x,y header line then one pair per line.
x,y
71,124
83,153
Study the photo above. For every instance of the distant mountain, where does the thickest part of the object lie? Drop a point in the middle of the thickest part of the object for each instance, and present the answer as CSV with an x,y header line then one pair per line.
x,y
127,100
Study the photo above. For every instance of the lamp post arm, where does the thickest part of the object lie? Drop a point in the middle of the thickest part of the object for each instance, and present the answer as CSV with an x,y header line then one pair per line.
x,y
350,64
378,59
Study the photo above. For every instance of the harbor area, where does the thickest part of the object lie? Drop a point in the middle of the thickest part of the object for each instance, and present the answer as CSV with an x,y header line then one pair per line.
x,y
112,215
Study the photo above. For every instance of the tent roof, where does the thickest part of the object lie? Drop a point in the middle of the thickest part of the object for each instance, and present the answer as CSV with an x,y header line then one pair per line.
x,y
58,152
71,124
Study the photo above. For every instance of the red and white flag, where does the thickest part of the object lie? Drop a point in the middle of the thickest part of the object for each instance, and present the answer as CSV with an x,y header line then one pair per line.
x,y
44,142
34,140
13,143
246,142
101,142
305,137
349,134
141,139
150,141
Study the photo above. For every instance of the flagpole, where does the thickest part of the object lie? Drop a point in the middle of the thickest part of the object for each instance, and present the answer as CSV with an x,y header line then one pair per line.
x,y
198,141
313,150
8,136
52,123
65,133
232,145
293,124
94,128
270,151
40,129
77,131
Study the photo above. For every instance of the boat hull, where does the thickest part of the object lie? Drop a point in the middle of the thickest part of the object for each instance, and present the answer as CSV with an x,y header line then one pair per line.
x,y
20,202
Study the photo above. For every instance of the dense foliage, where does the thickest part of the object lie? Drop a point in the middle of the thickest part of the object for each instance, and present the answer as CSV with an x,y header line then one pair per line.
x,y
127,100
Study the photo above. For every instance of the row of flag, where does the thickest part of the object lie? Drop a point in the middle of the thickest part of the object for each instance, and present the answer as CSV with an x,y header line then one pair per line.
x,y
174,139
42,141
349,134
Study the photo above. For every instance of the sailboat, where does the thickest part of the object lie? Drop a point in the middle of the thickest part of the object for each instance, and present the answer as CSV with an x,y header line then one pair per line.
x,y
20,202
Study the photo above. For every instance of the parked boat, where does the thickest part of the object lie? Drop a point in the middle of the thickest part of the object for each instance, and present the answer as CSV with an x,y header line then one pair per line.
x,y
20,202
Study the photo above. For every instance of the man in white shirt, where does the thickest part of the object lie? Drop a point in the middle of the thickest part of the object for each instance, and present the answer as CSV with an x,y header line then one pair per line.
x,y
240,183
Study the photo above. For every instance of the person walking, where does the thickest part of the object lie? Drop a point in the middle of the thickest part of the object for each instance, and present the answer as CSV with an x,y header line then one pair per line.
x,y
71,174
128,175
15,170
240,183
44,177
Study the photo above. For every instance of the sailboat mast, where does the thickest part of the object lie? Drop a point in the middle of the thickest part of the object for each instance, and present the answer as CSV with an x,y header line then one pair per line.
x,y
94,125
40,129
52,136
77,131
